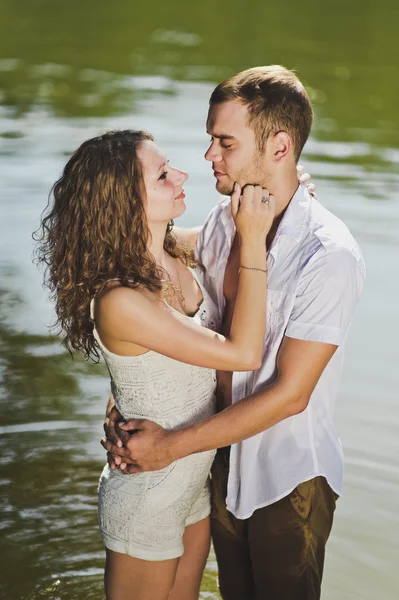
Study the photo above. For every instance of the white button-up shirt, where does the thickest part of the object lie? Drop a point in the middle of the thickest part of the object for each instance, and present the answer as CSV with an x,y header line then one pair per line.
x,y
315,277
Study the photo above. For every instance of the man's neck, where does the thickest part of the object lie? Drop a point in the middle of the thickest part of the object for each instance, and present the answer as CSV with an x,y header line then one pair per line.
x,y
283,187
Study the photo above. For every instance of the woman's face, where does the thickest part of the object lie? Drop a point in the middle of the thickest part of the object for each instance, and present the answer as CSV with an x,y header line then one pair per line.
x,y
165,198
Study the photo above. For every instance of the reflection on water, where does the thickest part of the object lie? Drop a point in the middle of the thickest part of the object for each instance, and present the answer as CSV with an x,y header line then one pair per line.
x,y
74,58
48,472
49,469
70,71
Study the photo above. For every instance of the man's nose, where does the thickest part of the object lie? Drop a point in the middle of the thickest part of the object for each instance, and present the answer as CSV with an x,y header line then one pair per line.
x,y
212,154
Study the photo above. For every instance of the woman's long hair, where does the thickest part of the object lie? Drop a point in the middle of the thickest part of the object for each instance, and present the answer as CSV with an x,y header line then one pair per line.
x,y
95,229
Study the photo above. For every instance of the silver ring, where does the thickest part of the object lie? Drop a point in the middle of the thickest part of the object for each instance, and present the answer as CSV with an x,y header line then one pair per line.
x,y
265,199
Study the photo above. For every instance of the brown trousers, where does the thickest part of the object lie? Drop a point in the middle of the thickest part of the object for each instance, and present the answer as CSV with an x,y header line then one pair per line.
x,y
278,553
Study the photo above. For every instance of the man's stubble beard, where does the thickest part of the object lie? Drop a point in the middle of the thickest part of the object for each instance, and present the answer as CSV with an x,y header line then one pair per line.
x,y
224,189
255,174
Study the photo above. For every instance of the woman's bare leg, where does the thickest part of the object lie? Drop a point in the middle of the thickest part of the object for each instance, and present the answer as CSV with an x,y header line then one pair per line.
x,y
197,539
128,578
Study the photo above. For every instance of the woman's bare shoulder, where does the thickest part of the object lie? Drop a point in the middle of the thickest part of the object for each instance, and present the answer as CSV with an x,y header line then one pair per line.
x,y
118,300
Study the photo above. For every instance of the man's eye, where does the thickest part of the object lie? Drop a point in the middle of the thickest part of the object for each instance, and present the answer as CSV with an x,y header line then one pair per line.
x,y
163,176
227,147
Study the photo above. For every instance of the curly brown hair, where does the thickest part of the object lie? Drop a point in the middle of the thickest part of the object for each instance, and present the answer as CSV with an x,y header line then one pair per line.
x,y
94,229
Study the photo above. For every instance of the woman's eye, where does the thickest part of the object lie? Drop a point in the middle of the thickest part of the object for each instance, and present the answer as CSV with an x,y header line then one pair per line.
x,y
163,176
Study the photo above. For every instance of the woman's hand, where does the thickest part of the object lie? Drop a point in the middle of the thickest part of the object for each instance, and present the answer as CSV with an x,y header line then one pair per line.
x,y
253,212
305,178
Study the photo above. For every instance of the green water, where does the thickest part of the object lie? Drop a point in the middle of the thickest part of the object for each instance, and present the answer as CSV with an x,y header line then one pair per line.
x,y
72,70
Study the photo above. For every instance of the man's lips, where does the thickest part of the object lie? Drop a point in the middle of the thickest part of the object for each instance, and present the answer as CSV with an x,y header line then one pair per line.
x,y
218,174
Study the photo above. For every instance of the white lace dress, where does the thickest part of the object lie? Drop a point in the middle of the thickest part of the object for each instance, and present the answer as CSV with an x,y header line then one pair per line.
x,y
144,515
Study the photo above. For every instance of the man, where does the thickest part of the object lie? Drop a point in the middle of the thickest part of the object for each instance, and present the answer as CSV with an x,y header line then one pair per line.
x,y
274,492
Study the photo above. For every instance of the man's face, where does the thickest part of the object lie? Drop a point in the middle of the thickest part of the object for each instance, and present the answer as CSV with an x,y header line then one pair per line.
x,y
233,151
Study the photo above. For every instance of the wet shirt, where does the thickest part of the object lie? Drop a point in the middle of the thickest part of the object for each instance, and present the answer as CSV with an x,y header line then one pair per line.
x,y
315,277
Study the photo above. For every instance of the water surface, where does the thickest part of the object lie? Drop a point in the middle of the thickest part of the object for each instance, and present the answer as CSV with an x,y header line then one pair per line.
x,y
70,71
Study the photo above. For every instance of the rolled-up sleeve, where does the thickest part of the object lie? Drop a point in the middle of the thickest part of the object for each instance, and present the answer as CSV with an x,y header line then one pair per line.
x,y
326,297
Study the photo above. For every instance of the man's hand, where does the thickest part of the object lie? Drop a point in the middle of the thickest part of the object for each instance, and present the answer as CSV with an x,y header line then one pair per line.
x,y
145,446
111,430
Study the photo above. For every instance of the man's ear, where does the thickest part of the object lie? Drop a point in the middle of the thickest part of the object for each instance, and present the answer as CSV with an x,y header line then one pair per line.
x,y
281,145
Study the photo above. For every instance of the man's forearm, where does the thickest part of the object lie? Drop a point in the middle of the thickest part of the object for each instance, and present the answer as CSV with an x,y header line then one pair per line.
x,y
299,365
245,418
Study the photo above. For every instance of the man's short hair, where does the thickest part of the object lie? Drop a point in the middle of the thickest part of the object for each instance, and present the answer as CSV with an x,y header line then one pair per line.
x,y
276,101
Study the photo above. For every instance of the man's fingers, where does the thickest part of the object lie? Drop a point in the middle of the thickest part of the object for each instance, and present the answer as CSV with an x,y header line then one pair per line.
x,y
112,419
133,468
110,433
110,447
131,424
111,461
114,415
115,462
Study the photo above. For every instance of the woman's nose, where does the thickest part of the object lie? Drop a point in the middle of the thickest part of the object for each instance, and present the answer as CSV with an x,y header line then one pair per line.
x,y
181,176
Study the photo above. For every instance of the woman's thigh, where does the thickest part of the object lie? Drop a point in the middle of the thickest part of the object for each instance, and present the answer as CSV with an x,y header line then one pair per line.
x,y
196,541
128,578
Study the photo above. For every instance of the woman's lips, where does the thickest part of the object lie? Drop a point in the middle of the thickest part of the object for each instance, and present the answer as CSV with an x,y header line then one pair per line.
x,y
181,196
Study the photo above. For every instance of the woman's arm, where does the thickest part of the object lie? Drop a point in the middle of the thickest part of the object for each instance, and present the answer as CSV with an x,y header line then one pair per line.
x,y
129,315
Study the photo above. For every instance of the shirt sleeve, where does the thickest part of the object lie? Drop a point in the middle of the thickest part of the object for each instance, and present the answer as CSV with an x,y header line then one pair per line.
x,y
327,294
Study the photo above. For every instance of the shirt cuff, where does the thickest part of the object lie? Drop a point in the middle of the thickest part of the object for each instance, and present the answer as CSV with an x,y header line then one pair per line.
x,y
315,333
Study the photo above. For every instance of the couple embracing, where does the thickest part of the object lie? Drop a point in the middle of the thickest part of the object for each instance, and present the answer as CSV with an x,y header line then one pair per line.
x,y
224,346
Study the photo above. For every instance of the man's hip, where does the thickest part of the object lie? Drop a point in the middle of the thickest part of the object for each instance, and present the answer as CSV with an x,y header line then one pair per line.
x,y
278,553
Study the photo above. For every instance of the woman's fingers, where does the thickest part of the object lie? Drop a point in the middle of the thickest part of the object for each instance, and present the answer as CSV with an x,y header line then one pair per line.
x,y
305,178
312,189
269,207
251,197
235,199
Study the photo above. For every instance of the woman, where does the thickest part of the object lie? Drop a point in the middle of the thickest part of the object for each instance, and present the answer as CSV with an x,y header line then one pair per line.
x,y
123,285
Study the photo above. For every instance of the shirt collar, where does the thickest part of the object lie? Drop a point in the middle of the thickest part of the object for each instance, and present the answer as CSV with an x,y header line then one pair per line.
x,y
296,217
227,219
